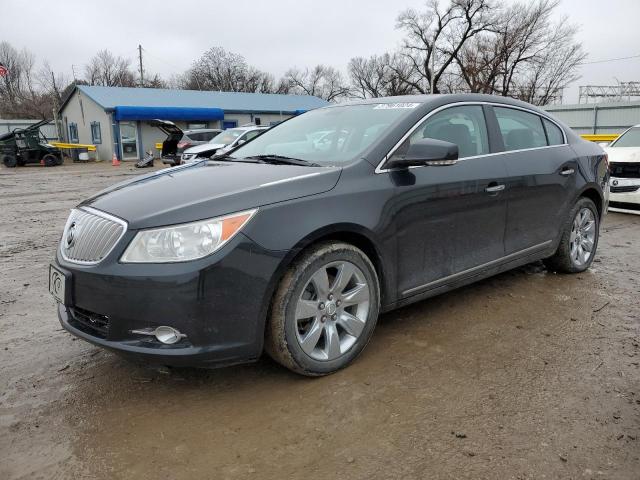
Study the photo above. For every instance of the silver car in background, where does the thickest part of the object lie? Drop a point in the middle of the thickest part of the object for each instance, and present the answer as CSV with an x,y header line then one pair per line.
x,y
222,142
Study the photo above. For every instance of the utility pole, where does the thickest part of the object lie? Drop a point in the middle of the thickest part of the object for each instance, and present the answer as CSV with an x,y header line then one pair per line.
x,y
141,70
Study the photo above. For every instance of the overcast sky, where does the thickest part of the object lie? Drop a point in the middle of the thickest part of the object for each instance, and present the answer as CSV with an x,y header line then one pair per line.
x,y
274,35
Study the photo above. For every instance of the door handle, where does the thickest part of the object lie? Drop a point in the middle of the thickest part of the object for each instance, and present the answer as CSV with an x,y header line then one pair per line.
x,y
494,188
567,171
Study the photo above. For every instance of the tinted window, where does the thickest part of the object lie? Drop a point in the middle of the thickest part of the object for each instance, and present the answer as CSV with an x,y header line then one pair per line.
x,y
631,138
464,126
520,129
554,134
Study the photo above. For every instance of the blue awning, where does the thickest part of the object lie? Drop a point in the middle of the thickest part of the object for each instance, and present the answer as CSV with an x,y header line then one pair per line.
x,y
167,113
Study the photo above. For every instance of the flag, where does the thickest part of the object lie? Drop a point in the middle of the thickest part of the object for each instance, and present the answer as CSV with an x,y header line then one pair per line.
x,y
3,71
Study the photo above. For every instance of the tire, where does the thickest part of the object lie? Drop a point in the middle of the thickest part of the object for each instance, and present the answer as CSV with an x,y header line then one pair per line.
x,y
573,255
342,311
50,160
9,161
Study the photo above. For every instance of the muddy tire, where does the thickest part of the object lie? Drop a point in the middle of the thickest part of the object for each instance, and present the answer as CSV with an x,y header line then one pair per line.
x,y
579,239
9,161
324,311
50,160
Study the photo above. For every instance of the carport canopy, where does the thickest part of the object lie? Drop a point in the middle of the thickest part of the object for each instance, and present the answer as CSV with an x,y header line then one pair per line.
x,y
167,113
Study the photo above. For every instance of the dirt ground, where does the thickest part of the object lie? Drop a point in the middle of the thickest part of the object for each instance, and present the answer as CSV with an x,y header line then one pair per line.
x,y
525,375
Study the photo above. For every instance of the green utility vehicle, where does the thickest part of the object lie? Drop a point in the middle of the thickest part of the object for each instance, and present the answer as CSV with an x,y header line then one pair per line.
x,y
28,145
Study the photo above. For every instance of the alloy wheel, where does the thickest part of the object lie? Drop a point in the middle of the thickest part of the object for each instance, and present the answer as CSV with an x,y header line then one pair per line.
x,y
332,310
583,236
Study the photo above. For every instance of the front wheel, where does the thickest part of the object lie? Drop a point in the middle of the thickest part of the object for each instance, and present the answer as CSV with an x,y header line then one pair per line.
x,y
579,239
9,161
324,310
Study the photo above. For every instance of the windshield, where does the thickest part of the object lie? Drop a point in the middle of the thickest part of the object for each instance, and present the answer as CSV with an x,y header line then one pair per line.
x,y
327,136
227,137
631,138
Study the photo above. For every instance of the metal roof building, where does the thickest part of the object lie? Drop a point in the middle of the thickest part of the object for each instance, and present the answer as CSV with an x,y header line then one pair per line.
x,y
115,119
598,117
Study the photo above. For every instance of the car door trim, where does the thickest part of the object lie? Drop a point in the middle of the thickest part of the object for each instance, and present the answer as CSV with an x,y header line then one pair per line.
x,y
379,169
470,271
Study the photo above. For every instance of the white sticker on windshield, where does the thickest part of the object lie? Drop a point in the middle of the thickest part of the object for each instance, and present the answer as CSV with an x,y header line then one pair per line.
x,y
389,106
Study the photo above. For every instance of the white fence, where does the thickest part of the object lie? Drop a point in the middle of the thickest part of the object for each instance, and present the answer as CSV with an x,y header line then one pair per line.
x,y
48,130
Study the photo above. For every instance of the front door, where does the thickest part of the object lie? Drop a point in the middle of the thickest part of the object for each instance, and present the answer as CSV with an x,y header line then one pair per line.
x,y
450,218
129,140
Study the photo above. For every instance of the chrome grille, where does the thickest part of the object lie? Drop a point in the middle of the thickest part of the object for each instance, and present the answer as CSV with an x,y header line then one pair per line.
x,y
90,235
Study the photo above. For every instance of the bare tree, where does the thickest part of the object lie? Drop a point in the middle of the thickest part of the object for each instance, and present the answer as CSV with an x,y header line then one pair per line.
x,y
225,71
443,32
108,70
380,76
320,81
526,55
21,95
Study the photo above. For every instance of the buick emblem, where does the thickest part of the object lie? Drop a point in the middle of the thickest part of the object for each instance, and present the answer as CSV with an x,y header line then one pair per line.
x,y
71,235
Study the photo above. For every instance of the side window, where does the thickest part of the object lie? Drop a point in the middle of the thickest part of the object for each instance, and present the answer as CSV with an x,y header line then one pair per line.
x,y
96,133
464,126
520,129
73,132
554,134
252,134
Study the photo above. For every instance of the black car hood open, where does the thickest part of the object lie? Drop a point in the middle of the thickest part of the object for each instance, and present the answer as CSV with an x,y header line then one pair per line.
x,y
209,189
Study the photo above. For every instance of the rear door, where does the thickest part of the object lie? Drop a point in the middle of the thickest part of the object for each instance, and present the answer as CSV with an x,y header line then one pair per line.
x,y
450,218
541,177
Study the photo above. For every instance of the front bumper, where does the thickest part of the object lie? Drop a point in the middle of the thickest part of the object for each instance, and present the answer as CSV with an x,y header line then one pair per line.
x,y
220,303
625,194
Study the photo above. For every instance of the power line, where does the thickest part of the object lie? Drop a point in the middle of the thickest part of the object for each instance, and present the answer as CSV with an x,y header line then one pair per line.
x,y
610,60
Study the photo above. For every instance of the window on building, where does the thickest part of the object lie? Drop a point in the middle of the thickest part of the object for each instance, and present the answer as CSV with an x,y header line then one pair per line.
x,y
197,125
73,132
257,121
96,133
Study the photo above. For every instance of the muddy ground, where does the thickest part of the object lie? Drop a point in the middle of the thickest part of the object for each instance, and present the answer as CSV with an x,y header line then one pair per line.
x,y
525,375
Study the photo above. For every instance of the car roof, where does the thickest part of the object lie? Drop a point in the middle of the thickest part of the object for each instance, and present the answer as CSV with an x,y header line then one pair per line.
x,y
202,130
442,99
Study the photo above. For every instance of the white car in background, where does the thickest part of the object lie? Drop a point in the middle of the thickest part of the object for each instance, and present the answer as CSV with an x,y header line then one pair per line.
x,y
624,165
221,143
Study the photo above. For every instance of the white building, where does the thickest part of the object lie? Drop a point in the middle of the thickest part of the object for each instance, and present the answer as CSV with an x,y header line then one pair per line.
x,y
115,119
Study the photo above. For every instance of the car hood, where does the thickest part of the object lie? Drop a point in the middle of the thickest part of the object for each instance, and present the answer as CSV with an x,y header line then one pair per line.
x,y
623,154
209,189
205,147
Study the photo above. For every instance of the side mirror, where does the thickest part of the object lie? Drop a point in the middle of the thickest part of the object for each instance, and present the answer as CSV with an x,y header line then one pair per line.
x,y
427,151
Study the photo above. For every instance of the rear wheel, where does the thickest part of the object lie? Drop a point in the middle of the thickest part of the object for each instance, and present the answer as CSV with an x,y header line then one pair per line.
x,y
9,161
50,160
579,239
324,311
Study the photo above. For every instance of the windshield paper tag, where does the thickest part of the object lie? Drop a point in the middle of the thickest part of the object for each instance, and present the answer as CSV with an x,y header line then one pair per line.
x,y
389,106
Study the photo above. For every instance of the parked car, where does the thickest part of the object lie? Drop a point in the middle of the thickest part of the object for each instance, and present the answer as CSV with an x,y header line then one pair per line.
x,y
178,141
222,142
28,145
295,249
624,164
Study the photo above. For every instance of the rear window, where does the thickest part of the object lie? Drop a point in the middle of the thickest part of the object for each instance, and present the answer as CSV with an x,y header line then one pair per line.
x,y
554,134
520,130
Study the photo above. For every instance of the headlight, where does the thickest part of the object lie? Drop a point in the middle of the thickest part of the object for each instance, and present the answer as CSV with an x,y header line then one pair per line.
x,y
185,242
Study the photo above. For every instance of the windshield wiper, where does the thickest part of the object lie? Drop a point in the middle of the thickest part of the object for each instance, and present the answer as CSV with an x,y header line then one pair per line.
x,y
280,159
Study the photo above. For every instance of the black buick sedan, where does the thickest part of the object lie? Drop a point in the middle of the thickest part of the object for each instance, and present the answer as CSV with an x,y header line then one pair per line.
x,y
296,241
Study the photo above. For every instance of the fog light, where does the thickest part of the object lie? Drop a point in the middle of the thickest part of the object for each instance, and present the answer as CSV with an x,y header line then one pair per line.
x,y
164,334
168,335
